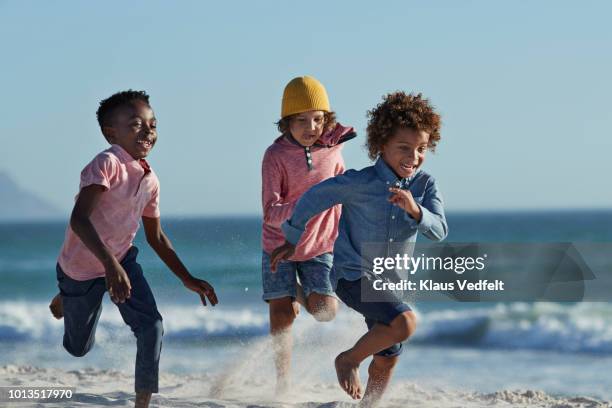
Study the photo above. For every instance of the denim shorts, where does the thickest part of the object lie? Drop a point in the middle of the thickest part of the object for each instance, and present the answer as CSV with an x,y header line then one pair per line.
x,y
313,274
373,312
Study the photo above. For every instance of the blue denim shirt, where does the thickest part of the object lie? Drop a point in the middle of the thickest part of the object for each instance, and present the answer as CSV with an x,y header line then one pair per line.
x,y
368,218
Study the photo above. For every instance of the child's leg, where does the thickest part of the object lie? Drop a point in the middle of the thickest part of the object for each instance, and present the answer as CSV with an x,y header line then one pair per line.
x,y
379,376
389,322
82,305
315,277
322,307
142,399
382,336
279,290
140,313
378,338
282,314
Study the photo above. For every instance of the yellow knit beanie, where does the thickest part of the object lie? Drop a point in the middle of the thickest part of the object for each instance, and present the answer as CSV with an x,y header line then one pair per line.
x,y
304,94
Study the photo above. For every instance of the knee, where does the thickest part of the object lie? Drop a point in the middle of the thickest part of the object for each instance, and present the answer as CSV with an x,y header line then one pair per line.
x,y
151,333
404,325
324,315
77,351
157,329
322,308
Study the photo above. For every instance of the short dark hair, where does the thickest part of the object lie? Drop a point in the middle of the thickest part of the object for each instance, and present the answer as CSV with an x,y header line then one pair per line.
x,y
401,110
329,118
109,106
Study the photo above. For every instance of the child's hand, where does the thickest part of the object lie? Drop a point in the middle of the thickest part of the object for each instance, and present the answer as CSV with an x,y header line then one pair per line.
x,y
117,282
283,252
404,199
202,288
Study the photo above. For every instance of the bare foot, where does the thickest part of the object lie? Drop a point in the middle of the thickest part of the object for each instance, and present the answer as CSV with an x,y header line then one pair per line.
x,y
348,375
57,307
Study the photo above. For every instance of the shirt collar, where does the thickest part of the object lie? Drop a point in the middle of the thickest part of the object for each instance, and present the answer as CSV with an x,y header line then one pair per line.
x,y
386,174
125,157
121,153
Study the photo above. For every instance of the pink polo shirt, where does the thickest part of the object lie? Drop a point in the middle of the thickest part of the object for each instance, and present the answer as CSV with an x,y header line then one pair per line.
x,y
131,192
286,176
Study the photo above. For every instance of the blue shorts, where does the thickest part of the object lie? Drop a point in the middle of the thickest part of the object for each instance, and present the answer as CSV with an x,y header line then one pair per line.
x,y
374,312
313,273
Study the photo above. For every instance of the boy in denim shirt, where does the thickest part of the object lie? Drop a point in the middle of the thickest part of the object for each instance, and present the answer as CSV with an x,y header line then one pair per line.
x,y
387,203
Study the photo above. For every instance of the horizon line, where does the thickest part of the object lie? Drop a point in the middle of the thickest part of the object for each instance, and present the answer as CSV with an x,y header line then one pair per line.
x,y
463,211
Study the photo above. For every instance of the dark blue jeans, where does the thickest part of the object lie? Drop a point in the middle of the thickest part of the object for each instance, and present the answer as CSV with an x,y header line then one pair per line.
x,y
82,306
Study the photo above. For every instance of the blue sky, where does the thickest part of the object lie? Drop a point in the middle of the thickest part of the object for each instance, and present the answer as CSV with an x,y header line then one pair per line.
x,y
524,89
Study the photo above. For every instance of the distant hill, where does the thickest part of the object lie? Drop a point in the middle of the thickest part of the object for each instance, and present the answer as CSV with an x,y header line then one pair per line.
x,y
17,204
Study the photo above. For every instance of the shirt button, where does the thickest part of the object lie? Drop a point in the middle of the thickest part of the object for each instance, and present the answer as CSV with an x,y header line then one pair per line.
x,y
393,217
388,182
390,239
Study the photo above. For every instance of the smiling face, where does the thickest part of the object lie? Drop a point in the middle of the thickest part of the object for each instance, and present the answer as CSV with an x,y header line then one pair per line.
x,y
134,128
307,127
405,151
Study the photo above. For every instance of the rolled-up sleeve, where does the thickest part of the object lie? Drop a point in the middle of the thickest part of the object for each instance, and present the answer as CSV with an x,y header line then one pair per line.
x,y
102,170
433,220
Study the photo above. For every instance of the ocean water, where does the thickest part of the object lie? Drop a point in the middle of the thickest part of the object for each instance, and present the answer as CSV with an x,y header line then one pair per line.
x,y
560,348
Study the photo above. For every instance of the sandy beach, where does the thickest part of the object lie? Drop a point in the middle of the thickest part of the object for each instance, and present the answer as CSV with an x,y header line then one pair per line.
x,y
114,388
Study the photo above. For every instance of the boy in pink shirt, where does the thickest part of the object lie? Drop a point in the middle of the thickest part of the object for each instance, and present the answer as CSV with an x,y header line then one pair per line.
x,y
307,152
118,189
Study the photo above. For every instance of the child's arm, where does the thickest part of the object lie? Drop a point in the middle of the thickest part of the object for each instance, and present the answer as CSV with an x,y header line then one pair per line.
x,y
276,209
162,246
429,215
318,198
117,281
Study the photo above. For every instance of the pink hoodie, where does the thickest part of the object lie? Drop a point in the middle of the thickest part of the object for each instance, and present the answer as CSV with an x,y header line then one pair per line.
x,y
286,175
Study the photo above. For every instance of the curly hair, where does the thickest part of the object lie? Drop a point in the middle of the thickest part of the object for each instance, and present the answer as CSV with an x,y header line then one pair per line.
x,y
329,119
108,106
401,110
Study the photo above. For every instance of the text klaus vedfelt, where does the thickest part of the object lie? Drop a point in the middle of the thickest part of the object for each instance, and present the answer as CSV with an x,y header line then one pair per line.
x,y
411,264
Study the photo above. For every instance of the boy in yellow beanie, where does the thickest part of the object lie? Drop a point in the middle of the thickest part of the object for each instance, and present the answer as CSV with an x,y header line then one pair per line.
x,y
307,152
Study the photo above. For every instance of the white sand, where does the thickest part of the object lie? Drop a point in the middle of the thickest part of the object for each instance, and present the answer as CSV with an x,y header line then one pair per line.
x,y
114,388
